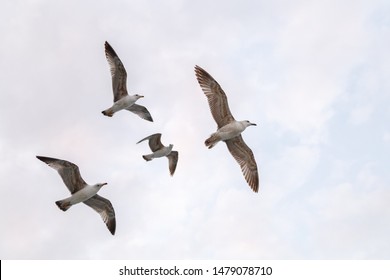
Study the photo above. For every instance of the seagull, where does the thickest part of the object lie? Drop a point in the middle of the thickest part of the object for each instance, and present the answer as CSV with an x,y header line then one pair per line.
x,y
229,130
122,100
81,191
159,150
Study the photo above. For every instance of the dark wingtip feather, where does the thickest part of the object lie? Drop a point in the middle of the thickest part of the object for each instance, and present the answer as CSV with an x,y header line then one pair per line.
x,y
150,119
111,225
109,49
255,187
45,159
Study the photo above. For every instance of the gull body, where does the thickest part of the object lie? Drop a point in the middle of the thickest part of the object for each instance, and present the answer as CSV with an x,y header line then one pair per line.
x,y
81,191
125,102
122,100
163,152
82,195
229,130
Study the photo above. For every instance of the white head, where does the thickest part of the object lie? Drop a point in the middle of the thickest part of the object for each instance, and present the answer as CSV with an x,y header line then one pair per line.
x,y
137,96
99,185
248,123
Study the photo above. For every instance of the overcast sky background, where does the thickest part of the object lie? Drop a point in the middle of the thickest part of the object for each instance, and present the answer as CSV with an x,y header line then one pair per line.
x,y
314,76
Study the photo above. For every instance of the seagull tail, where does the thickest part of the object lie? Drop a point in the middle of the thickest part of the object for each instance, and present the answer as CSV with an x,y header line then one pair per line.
x,y
212,140
63,204
108,113
148,157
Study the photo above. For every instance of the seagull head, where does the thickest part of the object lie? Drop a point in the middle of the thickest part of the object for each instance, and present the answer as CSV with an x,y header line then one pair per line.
x,y
138,96
100,185
248,123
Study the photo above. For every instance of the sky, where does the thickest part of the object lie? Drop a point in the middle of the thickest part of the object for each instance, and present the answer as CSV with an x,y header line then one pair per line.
x,y
313,75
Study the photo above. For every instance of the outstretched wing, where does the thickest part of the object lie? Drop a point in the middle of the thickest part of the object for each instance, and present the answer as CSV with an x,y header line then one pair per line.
x,y
141,111
68,171
173,157
154,142
118,73
104,207
216,97
245,158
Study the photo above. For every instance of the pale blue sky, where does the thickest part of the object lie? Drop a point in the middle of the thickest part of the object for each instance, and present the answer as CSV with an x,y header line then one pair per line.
x,y
314,76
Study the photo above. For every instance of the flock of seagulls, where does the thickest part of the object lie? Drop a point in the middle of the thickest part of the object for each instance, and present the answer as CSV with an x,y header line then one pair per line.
x,y
228,130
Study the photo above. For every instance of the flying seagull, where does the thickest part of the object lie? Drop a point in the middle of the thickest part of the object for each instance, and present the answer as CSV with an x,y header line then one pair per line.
x,y
81,191
229,130
159,150
122,100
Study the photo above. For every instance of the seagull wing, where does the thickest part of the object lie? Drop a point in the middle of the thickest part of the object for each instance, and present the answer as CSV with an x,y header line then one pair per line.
x,y
245,158
216,97
68,171
173,158
154,142
118,73
104,207
141,111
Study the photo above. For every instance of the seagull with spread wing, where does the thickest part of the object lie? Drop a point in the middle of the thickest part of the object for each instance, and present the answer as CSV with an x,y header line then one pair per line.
x,y
81,191
122,100
159,150
229,130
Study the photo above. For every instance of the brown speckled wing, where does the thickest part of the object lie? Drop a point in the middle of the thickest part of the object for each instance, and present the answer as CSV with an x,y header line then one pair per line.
x,y
173,157
216,97
141,111
118,73
154,142
245,158
104,207
68,171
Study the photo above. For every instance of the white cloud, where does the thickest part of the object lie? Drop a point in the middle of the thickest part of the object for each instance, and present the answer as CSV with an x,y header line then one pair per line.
x,y
386,136
352,223
361,114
